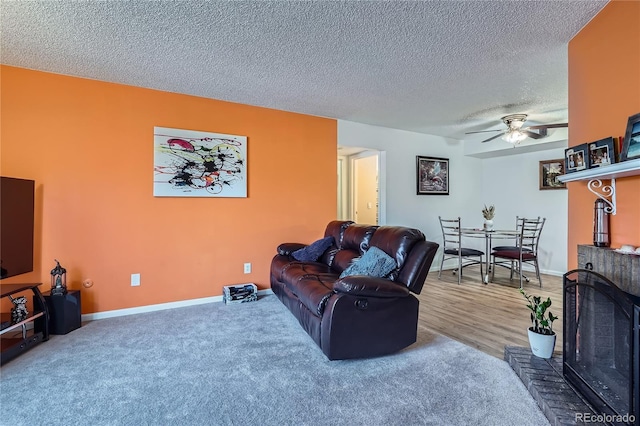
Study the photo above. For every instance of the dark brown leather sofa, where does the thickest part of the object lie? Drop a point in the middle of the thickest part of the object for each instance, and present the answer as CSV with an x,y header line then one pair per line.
x,y
356,316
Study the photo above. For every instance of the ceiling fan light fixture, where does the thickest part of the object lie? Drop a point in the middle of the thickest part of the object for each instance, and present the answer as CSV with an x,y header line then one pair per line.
x,y
516,124
514,137
514,121
516,131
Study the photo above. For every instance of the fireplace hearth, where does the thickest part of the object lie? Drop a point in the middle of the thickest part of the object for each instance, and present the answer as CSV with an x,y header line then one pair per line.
x,y
601,338
597,380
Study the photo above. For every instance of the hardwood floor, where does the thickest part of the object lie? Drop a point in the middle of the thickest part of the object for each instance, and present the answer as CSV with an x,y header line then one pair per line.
x,y
486,317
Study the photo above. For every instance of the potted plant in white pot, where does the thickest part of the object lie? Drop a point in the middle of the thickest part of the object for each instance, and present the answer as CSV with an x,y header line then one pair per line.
x,y
542,338
488,213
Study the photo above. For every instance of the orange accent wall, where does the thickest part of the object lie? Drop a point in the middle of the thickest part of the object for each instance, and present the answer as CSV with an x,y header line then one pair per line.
x,y
604,90
89,147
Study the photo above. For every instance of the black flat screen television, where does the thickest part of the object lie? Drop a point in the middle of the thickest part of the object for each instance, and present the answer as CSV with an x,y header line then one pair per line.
x,y
16,226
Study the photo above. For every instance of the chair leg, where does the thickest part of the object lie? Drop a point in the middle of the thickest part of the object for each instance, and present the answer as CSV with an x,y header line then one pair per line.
x,y
493,268
511,273
441,265
538,273
459,270
520,272
482,273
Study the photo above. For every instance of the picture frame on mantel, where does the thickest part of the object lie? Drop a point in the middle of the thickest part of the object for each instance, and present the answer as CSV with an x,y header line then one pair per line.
x,y
549,172
575,158
631,145
602,153
432,175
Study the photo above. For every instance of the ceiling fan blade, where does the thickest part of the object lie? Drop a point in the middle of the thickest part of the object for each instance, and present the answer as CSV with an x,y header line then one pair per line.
x,y
492,138
485,131
549,126
534,135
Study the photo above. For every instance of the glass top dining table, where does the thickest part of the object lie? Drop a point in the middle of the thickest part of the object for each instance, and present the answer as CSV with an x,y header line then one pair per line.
x,y
489,236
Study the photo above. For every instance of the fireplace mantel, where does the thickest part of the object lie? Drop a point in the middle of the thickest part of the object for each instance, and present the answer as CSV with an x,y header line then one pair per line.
x,y
622,269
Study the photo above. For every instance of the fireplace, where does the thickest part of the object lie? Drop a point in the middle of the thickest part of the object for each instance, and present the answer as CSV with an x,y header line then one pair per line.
x,y
602,343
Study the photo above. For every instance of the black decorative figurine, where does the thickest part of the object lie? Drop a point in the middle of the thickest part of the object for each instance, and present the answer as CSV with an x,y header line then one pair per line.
x,y
58,280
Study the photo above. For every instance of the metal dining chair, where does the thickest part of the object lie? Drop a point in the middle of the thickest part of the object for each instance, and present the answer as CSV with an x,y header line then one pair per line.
x,y
513,247
525,251
452,248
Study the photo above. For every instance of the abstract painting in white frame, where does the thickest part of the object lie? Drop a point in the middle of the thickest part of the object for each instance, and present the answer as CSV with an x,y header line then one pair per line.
x,y
189,163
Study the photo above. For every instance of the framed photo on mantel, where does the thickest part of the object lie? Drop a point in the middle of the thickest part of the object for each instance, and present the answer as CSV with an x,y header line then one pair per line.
x,y
631,144
575,158
602,153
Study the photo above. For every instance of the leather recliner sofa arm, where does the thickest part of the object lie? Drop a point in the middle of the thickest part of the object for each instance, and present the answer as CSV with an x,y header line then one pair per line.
x,y
361,285
285,249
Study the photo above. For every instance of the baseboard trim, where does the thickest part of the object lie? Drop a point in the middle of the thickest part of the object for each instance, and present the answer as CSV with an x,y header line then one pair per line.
x,y
158,307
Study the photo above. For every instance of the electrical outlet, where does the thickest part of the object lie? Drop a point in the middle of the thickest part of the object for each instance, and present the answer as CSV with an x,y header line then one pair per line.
x,y
247,268
135,280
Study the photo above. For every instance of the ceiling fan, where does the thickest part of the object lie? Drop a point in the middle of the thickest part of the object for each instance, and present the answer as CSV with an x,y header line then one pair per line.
x,y
516,132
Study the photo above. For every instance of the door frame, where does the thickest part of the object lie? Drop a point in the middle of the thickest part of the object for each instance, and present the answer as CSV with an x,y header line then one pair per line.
x,y
382,187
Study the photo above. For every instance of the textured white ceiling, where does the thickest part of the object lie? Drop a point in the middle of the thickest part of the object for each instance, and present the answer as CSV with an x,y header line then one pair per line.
x,y
438,67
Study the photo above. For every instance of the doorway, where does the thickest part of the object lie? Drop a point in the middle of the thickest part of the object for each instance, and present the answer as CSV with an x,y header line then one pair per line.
x,y
361,185
365,189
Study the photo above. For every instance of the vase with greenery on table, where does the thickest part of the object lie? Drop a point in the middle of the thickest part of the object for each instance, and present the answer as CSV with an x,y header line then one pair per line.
x,y
488,213
542,338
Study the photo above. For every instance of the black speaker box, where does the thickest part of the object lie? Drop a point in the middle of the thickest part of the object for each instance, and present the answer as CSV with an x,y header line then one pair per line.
x,y
64,312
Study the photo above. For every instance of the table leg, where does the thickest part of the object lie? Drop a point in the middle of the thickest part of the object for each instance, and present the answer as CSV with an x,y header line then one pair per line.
x,y
487,246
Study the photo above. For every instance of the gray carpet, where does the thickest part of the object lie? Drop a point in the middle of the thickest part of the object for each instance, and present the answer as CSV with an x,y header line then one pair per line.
x,y
250,364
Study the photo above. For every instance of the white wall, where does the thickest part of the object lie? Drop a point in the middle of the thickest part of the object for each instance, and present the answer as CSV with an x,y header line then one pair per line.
x,y
510,182
403,206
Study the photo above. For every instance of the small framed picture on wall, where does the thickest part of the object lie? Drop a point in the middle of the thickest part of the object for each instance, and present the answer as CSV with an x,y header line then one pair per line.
x,y
575,158
631,143
549,172
432,175
602,153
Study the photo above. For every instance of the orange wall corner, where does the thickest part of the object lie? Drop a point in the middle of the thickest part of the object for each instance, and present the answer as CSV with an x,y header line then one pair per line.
x,y
604,90
89,147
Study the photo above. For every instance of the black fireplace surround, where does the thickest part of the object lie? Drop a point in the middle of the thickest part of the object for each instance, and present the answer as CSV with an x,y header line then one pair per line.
x,y
602,345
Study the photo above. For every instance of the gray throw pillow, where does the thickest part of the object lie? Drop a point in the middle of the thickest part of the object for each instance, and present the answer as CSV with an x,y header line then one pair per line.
x,y
374,263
